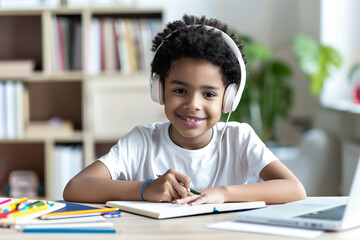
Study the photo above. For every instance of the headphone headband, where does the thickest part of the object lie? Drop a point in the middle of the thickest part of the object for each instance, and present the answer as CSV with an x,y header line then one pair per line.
x,y
235,95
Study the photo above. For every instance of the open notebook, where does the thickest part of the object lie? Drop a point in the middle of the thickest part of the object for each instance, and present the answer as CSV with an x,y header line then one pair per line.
x,y
169,210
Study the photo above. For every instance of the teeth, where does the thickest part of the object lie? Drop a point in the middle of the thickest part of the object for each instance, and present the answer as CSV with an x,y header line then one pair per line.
x,y
192,120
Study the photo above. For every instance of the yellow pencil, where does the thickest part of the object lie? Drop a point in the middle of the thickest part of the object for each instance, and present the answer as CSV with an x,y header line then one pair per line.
x,y
29,211
58,214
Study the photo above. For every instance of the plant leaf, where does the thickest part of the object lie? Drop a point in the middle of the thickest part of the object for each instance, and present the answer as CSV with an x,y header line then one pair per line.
x,y
257,51
329,59
307,53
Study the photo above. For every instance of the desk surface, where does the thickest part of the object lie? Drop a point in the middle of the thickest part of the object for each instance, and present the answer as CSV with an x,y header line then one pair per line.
x,y
131,226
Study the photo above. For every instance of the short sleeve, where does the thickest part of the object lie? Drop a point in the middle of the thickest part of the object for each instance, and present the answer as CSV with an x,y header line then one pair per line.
x,y
257,154
123,158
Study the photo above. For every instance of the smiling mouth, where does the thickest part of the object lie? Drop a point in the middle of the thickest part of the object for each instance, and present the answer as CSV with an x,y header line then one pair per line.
x,y
191,121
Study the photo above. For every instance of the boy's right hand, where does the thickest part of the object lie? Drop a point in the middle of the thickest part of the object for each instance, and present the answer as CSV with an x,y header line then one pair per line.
x,y
168,187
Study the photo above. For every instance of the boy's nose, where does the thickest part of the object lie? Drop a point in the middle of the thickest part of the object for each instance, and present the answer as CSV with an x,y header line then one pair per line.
x,y
193,102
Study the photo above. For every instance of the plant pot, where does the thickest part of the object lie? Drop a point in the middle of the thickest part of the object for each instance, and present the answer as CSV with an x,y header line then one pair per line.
x,y
356,94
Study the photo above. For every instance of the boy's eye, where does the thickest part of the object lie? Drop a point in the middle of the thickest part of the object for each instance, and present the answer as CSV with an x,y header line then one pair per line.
x,y
180,91
209,95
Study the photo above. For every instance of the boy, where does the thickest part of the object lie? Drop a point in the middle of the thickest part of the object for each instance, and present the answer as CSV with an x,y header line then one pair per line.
x,y
194,69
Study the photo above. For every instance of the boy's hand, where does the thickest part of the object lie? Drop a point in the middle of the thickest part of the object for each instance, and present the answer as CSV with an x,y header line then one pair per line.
x,y
168,187
211,195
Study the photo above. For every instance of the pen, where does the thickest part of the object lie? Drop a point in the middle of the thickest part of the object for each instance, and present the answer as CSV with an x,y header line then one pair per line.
x,y
67,230
191,190
114,214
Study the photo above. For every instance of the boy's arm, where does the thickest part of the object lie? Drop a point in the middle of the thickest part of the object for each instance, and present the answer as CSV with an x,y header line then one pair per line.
x,y
94,184
279,186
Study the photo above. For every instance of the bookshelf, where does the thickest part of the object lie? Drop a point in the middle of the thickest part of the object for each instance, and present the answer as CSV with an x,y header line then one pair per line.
x,y
81,92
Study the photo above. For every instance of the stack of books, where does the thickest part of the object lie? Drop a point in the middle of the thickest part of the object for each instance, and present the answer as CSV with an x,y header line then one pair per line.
x,y
57,217
14,68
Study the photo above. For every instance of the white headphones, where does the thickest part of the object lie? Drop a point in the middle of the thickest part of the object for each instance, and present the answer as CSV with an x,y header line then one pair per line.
x,y
233,92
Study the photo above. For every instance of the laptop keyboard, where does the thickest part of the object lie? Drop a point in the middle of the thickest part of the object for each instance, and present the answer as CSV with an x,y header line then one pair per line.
x,y
334,214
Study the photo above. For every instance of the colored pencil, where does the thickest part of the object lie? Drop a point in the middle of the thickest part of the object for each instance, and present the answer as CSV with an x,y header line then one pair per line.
x,y
12,205
72,213
5,201
29,211
67,230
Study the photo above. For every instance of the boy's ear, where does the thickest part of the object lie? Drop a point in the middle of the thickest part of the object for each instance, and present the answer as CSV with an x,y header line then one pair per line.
x,y
157,91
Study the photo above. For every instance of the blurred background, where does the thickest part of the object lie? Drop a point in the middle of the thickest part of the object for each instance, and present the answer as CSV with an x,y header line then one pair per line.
x,y
74,78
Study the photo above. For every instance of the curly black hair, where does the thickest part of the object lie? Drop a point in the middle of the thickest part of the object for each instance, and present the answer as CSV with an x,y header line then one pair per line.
x,y
189,38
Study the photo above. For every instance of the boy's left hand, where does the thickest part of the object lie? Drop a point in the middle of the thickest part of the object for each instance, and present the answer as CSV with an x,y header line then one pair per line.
x,y
210,195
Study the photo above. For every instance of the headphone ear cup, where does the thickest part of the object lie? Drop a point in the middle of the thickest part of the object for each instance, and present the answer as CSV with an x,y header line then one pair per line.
x,y
229,96
157,90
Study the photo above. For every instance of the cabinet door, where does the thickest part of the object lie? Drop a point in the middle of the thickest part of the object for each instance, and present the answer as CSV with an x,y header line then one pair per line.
x,y
120,105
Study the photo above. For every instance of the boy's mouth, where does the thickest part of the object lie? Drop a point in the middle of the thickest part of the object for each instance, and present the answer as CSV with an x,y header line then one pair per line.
x,y
191,121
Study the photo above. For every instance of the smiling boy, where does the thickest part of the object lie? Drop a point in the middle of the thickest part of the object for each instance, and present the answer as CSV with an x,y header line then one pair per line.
x,y
192,72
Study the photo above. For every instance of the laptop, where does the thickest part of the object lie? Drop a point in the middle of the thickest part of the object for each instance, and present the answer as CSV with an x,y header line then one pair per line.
x,y
325,213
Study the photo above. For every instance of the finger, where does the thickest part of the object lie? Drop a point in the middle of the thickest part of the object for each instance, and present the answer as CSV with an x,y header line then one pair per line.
x,y
185,200
185,180
176,180
174,194
180,189
200,200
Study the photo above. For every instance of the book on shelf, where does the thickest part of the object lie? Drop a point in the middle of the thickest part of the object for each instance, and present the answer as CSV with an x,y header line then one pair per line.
x,y
13,104
66,44
2,111
109,48
120,44
67,162
94,48
13,68
169,210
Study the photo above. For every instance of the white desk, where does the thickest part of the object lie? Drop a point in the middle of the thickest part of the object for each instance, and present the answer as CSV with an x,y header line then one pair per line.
x,y
132,227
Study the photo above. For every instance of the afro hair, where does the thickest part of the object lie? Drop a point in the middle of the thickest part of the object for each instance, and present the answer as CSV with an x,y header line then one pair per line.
x,y
189,38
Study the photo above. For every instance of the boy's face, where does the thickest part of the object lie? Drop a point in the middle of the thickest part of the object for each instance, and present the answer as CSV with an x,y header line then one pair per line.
x,y
193,94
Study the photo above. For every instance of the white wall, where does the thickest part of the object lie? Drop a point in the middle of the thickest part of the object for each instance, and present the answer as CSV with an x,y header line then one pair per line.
x,y
340,28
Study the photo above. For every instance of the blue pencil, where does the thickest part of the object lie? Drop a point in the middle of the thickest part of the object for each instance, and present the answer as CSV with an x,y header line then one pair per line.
x,y
67,230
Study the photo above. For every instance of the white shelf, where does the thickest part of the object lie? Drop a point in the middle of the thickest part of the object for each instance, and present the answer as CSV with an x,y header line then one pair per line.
x,y
343,106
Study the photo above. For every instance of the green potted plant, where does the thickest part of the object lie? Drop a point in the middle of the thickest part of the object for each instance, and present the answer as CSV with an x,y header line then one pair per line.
x,y
316,60
268,95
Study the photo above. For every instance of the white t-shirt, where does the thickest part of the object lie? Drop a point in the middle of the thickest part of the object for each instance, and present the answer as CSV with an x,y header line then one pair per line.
x,y
148,151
